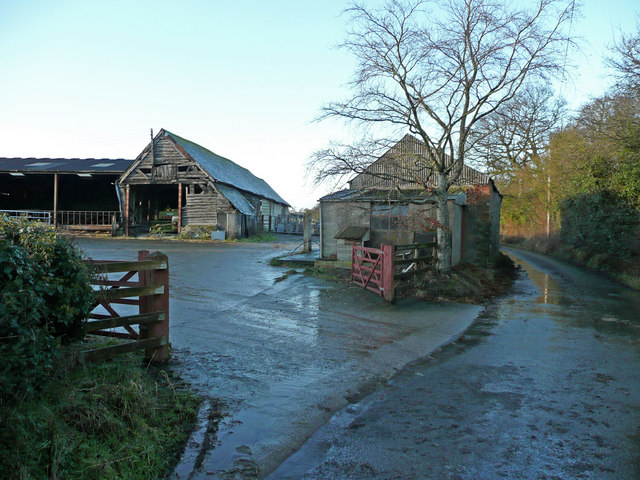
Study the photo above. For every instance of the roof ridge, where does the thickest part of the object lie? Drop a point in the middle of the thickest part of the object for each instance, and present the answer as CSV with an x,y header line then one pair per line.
x,y
225,170
65,158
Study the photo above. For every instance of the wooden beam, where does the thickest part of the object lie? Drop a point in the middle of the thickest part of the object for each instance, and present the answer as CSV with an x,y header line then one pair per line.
x,y
406,261
179,208
412,246
55,200
112,351
109,333
156,303
101,266
113,322
126,210
115,293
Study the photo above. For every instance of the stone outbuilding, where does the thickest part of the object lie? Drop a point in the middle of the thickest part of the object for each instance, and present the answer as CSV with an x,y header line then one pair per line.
x,y
384,206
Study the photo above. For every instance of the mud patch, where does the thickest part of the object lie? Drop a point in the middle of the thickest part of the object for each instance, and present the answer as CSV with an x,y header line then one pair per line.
x,y
202,440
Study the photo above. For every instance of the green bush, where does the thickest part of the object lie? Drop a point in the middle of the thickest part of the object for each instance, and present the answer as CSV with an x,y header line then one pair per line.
x,y
599,223
45,297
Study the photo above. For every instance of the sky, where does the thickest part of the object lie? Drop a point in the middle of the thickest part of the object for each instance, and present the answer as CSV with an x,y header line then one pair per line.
x,y
245,79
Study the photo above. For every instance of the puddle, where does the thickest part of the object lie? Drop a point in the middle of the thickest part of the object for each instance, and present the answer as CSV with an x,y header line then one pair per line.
x,y
197,444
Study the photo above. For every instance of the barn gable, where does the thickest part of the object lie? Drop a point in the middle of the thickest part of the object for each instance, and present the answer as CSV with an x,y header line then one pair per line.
x,y
404,166
175,174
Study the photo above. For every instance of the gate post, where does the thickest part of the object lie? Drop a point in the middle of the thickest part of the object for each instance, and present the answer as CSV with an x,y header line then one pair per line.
x,y
388,270
155,303
306,231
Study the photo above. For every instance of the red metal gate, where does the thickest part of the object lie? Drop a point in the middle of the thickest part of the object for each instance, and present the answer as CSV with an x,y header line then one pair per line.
x,y
372,268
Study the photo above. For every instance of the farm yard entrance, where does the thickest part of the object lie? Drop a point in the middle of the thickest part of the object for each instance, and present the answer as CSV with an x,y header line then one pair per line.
x,y
284,354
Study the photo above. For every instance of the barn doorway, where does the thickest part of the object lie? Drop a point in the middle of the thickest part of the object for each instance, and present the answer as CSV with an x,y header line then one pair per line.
x,y
153,204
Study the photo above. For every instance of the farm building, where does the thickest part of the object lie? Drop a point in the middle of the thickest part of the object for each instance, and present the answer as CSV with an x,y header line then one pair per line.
x,y
385,205
173,174
173,180
74,193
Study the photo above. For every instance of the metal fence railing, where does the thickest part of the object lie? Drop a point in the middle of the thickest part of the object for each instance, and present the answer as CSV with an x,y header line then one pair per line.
x,y
292,224
31,215
86,217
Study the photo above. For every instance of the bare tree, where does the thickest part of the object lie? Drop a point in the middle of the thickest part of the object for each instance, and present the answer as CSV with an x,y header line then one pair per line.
x,y
612,121
439,68
518,132
625,60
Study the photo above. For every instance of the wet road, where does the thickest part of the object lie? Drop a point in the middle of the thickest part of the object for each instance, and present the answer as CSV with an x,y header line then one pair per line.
x,y
282,354
544,385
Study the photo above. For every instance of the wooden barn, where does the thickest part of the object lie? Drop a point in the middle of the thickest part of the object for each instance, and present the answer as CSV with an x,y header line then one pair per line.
x,y
385,205
174,177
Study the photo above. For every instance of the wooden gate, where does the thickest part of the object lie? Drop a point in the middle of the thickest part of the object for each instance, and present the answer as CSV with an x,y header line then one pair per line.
x,y
376,269
372,268
150,293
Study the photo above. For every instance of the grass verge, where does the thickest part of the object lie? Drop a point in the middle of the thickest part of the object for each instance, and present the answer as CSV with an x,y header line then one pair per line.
x,y
265,237
469,283
113,419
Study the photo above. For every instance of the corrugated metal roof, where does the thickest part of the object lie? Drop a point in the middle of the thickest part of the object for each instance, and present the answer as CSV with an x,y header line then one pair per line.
x,y
402,165
65,165
225,171
237,199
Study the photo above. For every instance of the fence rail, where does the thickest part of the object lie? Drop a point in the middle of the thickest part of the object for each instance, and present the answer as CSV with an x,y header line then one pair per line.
x,y
149,292
31,215
81,219
291,224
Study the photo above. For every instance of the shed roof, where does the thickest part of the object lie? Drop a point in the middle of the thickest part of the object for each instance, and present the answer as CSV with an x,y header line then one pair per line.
x,y
225,171
65,165
352,232
237,199
393,196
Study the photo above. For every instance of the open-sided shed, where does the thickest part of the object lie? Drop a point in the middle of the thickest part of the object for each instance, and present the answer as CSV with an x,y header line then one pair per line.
x,y
72,192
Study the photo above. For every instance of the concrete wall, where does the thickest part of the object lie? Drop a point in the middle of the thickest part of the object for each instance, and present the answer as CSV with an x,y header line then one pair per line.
x,y
345,249
475,227
481,241
495,207
455,223
336,215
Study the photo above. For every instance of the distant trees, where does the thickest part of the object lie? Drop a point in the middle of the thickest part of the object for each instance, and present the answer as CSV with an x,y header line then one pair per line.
x,y
624,59
440,70
589,177
518,133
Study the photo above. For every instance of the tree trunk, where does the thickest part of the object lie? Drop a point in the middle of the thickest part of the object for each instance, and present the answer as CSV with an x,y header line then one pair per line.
x,y
444,232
